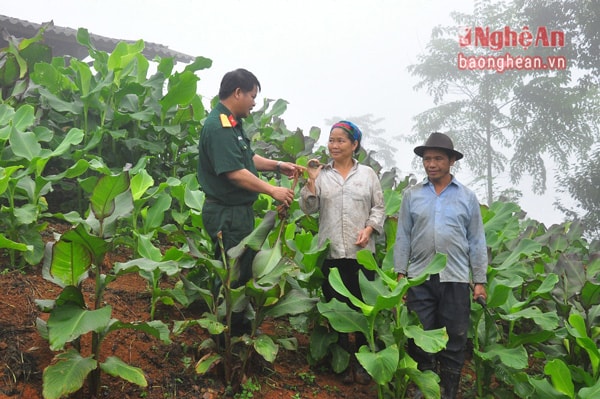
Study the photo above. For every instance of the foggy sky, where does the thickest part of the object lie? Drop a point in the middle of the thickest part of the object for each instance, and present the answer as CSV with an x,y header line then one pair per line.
x,y
325,57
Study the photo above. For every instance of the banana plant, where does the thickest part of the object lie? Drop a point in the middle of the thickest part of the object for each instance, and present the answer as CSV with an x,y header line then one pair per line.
x,y
543,298
16,63
68,262
23,160
272,292
384,320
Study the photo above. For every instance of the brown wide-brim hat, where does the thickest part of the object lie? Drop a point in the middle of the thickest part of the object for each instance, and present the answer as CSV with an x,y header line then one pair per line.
x,y
438,141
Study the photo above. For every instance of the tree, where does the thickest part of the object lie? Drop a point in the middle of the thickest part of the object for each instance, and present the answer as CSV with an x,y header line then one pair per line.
x,y
502,119
558,114
580,20
583,183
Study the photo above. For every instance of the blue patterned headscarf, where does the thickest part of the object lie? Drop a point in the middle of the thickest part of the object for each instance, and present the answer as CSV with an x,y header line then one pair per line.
x,y
349,128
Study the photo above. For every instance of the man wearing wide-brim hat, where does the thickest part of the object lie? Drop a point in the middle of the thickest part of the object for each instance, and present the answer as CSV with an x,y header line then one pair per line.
x,y
440,215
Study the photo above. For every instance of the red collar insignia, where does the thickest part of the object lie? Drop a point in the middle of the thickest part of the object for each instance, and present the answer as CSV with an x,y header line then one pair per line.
x,y
232,120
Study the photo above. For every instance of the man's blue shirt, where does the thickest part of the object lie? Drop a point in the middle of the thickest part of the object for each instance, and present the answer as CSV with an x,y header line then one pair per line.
x,y
449,223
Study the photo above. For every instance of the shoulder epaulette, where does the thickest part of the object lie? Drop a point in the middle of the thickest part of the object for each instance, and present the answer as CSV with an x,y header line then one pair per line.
x,y
228,121
224,121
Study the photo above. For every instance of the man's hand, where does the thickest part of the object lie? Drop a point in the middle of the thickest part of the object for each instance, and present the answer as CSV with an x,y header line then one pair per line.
x,y
479,292
290,169
283,195
245,179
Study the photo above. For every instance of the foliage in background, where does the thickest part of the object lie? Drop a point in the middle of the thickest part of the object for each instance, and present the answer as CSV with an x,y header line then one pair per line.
x,y
69,130
538,336
61,117
582,183
68,262
515,119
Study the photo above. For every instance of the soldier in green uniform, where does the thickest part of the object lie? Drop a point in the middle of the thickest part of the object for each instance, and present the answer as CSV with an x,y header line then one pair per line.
x,y
228,169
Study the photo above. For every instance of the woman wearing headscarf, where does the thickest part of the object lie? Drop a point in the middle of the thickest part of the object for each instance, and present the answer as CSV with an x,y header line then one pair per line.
x,y
349,200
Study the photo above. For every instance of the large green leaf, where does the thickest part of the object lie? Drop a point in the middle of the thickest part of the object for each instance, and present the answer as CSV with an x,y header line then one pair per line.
x,y
10,70
371,291
70,295
545,390
392,201
198,64
263,296
525,248
573,276
277,109
107,189
194,199
181,92
590,294
577,328
516,358
264,346
146,247
169,267
96,245
548,283
156,328
67,375
122,57
207,362
26,214
156,212
312,255
25,144
340,359
60,105
66,262
546,320
193,292
83,78
9,244
7,114
342,318
320,340
294,144
79,168
431,341
294,302
48,76
380,365
23,118
427,381
208,322
5,176
140,183
560,377
118,368
335,279
73,137
69,322
266,260
255,239
592,392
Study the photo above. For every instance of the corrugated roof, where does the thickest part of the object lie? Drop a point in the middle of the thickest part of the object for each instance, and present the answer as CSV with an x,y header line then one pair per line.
x,y
63,40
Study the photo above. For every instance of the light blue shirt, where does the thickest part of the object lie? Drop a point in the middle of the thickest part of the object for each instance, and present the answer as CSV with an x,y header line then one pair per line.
x,y
449,223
